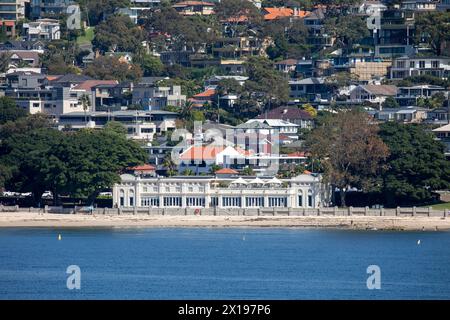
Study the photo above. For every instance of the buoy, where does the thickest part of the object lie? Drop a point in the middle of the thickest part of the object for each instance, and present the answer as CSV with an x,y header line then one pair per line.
x,y
418,242
59,236
243,238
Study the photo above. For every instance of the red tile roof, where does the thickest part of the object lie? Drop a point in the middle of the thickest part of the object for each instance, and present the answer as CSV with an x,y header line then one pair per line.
x,y
145,167
201,153
205,94
8,23
277,13
226,171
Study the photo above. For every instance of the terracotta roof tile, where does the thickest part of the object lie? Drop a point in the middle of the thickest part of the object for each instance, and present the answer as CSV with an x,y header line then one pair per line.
x,y
226,171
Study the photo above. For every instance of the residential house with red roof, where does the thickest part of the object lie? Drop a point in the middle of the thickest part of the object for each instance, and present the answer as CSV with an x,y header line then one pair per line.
x,y
207,96
279,13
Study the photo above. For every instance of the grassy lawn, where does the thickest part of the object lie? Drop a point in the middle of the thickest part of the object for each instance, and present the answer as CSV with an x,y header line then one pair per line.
x,y
88,37
440,206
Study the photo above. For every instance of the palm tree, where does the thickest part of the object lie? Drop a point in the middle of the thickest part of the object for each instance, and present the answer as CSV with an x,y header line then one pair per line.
x,y
248,171
169,164
214,168
188,172
85,101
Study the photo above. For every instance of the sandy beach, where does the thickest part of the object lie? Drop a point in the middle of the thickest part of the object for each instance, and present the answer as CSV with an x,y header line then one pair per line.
x,y
26,219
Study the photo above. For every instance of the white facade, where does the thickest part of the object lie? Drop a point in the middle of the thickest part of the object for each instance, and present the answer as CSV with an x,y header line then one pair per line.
x,y
303,191
44,29
284,127
409,67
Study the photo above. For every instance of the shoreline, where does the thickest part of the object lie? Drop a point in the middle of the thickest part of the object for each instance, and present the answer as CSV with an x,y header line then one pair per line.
x,y
47,220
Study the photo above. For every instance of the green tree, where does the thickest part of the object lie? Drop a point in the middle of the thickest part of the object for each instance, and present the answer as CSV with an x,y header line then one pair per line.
x,y
231,12
347,29
80,164
118,33
416,166
96,158
390,102
265,84
229,86
96,11
5,59
150,65
188,172
248,171
433,28
349,149
214,168
169,165
9,111
190,32
85,101
33,161
59,57
111,68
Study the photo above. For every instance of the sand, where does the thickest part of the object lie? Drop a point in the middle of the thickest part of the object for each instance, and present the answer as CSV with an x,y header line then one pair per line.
x,y
26,219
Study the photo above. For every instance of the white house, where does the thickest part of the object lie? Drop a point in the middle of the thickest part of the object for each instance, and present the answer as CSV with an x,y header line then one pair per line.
x,y
284,127
372,93
42,29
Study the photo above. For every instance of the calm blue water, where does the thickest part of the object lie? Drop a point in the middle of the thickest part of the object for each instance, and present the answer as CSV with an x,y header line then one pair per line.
x,y
223,264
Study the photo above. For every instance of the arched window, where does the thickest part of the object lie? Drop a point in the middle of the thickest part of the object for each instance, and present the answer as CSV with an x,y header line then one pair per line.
x,y
131,198
310,199
122,197
300,198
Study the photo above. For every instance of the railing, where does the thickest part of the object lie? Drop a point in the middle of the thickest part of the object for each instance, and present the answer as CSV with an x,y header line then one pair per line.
x,y
214,211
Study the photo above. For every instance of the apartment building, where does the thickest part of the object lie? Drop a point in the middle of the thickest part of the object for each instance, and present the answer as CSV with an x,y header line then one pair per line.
x,y
409,66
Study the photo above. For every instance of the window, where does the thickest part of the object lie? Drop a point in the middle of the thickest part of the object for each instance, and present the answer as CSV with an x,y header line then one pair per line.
x,y
412,64
254,201
150,202
144,189
172,201
122,198
277,202
435,64
310,199
131,198
300,199
195,202
421,64
231,202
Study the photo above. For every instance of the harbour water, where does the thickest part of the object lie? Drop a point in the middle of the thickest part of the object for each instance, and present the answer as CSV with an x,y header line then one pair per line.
x,y
228,263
